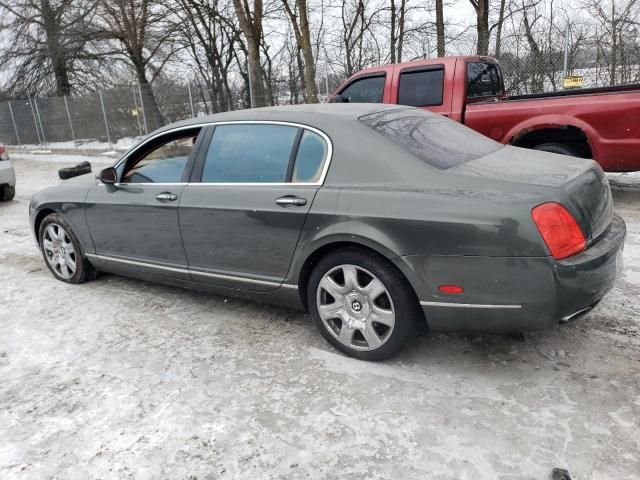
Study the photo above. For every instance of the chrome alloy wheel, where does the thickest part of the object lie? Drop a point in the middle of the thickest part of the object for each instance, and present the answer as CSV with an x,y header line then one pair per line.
x,y
356,307
59,250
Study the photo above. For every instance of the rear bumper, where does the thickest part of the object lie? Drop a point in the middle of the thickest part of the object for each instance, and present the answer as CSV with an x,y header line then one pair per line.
x,y
514,294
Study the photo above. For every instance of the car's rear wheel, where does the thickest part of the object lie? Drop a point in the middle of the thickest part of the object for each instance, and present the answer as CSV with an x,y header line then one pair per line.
x,y
62,251
361,304
554,147
7,192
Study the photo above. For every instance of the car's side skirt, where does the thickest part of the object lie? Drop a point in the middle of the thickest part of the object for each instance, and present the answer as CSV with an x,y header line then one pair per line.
x,y
188,271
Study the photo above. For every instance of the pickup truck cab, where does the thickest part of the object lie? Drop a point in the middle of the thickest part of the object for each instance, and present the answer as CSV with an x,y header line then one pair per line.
x,y
598,123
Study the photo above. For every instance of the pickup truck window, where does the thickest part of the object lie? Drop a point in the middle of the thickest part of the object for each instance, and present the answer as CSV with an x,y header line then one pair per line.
x,y
364,90
484,80
421,88
436,140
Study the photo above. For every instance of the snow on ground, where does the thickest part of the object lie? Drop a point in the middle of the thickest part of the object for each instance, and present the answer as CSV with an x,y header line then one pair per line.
x,y
121,144
119,378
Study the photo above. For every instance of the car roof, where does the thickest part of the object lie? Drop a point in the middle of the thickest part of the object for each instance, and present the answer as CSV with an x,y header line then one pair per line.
x,y
319,115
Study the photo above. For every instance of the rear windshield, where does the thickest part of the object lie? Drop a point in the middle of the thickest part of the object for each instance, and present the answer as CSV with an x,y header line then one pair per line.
x,y
484,80
436,140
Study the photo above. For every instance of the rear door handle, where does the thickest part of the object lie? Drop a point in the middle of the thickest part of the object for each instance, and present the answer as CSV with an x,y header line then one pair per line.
x,y
291,201
166,197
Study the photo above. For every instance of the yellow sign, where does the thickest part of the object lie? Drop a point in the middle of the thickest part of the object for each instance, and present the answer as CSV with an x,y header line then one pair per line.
x,y
134,112
573,81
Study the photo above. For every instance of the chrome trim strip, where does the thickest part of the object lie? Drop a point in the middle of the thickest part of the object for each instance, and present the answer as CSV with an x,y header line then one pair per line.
x,y
320,181
182,270
465,305
234,278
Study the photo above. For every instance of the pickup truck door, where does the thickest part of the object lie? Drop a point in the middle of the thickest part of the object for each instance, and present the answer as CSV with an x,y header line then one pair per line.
x,y
423,86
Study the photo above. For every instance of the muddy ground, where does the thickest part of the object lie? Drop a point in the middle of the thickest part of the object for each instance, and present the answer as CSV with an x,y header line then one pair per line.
x,y
118,378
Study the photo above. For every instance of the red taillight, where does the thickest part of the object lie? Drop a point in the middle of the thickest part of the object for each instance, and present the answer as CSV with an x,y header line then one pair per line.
x,y
2,149
559,230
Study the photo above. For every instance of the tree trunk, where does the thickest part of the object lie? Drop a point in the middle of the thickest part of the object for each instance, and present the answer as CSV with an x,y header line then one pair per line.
x,y
482,25
55,50
251,25
499,29
150,106
440,28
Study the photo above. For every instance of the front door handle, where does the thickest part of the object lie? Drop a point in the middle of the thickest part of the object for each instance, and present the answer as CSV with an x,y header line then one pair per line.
x,y
166,197
291,201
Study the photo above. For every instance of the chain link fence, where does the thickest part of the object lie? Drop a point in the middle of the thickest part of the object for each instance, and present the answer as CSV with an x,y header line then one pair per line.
x,y
114,117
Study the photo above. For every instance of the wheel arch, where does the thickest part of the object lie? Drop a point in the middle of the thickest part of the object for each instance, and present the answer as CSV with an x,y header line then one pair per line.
x,y
40,216
555,128
329,245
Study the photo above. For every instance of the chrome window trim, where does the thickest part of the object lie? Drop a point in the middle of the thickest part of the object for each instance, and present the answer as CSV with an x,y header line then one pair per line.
x,y
466,305
324,136
189,271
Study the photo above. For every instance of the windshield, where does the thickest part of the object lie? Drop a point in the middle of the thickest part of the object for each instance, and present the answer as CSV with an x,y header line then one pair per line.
x,y
437,140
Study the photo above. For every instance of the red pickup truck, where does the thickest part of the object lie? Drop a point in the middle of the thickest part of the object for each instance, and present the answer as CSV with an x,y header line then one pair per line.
x,y
598,123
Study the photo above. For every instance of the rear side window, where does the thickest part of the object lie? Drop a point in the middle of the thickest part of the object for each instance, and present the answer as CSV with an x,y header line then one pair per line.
x,y
484,80
310,158
249,154
364,90
436,140
421,88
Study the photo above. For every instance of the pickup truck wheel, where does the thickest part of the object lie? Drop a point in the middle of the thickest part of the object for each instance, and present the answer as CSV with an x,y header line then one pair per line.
x,y
7,193
560,148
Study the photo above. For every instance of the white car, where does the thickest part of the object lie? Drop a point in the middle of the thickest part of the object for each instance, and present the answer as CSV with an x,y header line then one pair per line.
x,y
7,176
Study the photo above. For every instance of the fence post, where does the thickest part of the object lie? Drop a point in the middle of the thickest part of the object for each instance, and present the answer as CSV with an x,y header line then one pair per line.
x,y
144,115
73,134
35,122
104,114
13,120
44,139
135,103
193,114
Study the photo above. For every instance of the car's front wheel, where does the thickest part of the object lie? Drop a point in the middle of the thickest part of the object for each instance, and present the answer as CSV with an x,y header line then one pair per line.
x,y
62,252
361,304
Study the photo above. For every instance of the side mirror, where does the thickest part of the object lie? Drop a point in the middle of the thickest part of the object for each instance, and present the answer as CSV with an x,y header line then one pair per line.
x,y
337,99
108,176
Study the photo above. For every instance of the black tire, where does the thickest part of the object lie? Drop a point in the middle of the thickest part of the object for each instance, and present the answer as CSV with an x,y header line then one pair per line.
x,y
84,271
560,148
402,296
7,193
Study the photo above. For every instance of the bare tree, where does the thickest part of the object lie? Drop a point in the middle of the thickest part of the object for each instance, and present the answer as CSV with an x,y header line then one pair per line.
x,y
482,25
141,28
251,24
210,35
299,17
49,45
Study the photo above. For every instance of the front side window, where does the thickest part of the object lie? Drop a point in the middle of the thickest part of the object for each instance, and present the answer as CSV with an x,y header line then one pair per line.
x,y
436,140
164,163
364,90
249,154
421,88
484,80
310,158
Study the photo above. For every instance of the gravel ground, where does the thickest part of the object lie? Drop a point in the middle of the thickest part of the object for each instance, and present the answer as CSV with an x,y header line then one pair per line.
x,y
119,378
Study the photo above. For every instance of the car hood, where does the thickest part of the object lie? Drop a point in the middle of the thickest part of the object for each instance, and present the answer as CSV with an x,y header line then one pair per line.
x,y
521,165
